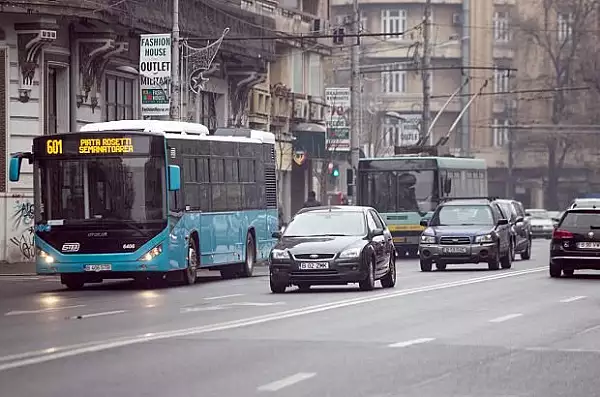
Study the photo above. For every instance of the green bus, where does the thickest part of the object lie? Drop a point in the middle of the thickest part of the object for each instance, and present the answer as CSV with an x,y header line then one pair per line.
x,y
408,188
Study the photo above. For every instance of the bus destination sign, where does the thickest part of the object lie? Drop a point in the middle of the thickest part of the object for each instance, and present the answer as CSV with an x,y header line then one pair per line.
x,y
97,145
105,145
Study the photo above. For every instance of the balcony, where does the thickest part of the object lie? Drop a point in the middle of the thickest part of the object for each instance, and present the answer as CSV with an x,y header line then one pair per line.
x,y
505,3
288,20
504,50
346,3
400,48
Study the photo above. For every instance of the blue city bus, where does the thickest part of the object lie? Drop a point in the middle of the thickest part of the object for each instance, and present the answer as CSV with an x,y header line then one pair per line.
x,y
406,189
151,200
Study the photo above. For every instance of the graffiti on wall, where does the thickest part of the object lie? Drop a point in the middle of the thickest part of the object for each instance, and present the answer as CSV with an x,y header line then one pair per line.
x,y
22,217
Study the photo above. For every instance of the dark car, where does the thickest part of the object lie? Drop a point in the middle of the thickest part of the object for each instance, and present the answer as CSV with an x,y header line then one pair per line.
x,y
520,228
332,246
466,231
575,242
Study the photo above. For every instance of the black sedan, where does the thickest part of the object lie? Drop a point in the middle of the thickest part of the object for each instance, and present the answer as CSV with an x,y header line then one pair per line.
x,y
334,245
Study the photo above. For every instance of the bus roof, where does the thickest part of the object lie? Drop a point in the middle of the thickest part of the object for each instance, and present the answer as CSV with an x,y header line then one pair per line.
x,y
442,162
182,130
152,126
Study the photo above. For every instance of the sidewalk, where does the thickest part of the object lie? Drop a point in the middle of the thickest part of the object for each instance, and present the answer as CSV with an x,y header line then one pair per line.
x,y
21,268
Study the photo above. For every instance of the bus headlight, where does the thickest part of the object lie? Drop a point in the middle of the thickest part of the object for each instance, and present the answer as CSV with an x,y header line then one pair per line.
x,y
153,253
46,257
425,239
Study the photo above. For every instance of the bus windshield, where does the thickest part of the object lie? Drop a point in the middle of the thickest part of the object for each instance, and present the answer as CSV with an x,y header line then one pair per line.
x,y
109,188
402,190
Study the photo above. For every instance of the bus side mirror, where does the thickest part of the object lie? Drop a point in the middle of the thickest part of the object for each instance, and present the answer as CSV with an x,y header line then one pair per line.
x,y
14,169
174,178
447,186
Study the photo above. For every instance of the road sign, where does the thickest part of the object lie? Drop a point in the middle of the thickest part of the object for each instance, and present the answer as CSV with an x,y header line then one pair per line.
x,y
338,119
155,71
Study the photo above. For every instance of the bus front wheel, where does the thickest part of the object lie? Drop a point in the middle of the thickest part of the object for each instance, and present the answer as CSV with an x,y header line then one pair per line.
x,y
189,273
72,281
248,266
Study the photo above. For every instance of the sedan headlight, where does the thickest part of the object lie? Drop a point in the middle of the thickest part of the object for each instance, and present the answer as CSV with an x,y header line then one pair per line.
x,y
486,238
425,239
153,253
350,253
279,254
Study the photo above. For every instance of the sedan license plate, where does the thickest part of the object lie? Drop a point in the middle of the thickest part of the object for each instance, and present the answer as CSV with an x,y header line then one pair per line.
x,y
454,250
588,245
314,265
98,268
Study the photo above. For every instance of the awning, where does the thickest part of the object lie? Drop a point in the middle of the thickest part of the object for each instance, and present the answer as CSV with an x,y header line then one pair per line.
x,y
310,138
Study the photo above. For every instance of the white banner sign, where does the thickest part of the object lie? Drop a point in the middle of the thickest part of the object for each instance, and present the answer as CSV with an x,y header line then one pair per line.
x,y
338,119
410,129
155,74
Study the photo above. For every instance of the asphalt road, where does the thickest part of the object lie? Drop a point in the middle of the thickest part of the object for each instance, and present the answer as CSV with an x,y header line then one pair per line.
x,y
462,332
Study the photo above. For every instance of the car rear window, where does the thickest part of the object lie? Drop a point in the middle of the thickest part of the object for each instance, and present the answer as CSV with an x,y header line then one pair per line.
x,y
581,219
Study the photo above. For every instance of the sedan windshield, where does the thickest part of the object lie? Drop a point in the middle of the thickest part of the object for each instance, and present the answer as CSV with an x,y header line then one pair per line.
x,y
338,223
463,215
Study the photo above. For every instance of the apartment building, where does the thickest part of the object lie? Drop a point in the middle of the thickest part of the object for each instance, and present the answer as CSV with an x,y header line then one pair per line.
x,y
290,102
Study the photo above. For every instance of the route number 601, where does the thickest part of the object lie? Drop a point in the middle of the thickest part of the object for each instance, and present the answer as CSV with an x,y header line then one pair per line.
x,y
54,146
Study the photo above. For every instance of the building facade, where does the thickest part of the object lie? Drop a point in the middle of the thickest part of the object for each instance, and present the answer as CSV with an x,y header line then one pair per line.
x,y
65,65
290,102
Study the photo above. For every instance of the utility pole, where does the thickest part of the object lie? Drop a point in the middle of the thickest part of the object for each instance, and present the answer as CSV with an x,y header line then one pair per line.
x,y
426,69
175,112
355,95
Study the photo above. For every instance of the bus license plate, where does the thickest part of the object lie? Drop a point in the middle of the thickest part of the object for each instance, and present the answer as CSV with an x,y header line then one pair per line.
x,y
98,268
399,239
588,245
454,250
314,265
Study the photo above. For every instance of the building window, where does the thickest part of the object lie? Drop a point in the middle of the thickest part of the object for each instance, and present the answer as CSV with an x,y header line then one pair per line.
x,y
297,69
315,75
502,26
501,80
393,21
500,133
119,98
56,108
393,80
564,26
390,132
207,110
364,22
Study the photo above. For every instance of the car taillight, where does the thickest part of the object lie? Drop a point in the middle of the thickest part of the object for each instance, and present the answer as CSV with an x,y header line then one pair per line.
x,y
561,234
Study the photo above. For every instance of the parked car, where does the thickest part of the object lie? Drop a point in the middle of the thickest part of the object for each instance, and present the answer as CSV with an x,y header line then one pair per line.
x,y
466,231
542,222
520,227
333,245
576,242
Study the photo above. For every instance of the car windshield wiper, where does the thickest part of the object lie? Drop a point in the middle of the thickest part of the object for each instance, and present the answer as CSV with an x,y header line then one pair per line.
x,y
594,227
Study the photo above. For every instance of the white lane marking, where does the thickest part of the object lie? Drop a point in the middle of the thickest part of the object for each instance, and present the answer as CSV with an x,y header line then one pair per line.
x,y
223,297
412,342
572,299
285,382
506,318
558,350
246,322
91,315
201,309
258,304
46,310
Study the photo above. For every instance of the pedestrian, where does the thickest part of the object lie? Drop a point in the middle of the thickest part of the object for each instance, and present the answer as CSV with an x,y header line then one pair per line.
x,y
312,200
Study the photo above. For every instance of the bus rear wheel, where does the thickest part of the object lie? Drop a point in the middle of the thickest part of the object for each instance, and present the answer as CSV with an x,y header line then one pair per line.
x,y
248,266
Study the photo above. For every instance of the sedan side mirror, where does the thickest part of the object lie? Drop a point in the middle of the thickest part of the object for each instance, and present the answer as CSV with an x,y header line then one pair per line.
x,y
520,219
276,235
377,232
502,222
424,222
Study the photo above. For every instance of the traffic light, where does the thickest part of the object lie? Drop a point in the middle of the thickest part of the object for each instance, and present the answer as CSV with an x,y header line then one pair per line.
x,y
333,169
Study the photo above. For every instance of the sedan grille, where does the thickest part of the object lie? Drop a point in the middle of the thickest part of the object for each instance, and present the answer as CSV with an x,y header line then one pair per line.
x,y
314,257
455,240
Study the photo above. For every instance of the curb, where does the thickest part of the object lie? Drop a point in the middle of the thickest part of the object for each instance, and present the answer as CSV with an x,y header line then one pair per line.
x,y
17,274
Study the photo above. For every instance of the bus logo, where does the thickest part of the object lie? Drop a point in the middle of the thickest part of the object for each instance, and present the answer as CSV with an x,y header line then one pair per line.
x,y
70,247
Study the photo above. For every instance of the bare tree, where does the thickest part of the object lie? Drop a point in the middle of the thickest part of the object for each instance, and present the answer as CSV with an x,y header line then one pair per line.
x,y
553,38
